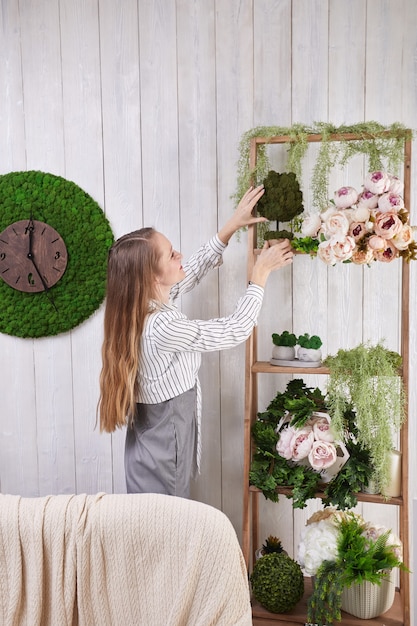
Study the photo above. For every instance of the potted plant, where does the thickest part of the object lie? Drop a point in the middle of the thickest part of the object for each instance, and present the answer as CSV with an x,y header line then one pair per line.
x,y
277,582
281,202
349,558
272,544
284,345
309,349
366,379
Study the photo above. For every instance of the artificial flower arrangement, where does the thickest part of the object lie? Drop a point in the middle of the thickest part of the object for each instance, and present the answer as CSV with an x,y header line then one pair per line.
x,y
297,449
341,549
360,228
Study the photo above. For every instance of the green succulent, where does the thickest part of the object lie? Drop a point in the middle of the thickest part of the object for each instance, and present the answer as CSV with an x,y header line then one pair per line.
x,y
284,339
305,341
277,582
272,544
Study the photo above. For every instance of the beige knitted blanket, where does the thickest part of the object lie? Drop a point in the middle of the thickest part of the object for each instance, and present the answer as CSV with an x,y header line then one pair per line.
x,y
119,560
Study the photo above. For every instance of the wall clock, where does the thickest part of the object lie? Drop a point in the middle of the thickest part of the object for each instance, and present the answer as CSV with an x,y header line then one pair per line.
x,y
54,242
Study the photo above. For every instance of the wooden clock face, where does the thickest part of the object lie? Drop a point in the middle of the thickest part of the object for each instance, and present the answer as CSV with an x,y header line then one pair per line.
x,y
33,256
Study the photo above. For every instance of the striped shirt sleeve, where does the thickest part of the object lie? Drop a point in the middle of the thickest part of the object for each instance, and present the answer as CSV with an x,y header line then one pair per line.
x,y
179,334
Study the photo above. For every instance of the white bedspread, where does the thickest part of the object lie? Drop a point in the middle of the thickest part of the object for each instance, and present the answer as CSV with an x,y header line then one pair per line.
x,y
119,560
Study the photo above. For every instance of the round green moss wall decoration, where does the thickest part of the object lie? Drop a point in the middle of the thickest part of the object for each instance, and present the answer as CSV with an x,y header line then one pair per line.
x,y
87,235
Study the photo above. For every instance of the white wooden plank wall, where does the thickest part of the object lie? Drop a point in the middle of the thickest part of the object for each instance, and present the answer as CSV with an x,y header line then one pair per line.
x,y
143,103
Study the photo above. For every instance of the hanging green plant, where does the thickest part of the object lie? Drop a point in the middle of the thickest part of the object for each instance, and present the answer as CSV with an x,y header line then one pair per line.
x,y
367,379
379,149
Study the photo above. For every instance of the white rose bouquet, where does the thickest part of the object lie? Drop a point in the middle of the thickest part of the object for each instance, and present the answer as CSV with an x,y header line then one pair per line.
x,y
363,227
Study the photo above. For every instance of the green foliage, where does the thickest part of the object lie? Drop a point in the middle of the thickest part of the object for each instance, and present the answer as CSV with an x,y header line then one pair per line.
x,y
87,235
382,151
366,379
282,199
278,234
305,245
284,339
305,341
269,470
325,603
277,582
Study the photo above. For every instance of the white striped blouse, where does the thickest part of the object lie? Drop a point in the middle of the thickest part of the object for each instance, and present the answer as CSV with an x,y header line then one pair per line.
x,y
172,344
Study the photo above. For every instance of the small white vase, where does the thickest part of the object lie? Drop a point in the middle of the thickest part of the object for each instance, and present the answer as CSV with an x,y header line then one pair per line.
x,y
309,354
369,600
283,353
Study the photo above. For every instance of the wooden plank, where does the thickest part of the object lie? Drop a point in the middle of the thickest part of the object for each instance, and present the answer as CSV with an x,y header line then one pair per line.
x,y
234,115
198,200
121,147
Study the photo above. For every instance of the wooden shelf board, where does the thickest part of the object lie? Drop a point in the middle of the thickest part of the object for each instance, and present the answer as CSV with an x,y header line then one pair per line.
x,y
264,367
361,496
262,617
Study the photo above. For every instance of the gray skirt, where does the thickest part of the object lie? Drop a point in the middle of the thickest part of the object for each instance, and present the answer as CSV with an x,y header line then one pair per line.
x,y
160,447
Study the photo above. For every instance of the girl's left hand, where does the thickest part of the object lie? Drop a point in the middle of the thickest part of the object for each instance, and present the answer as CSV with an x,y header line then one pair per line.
x,y
243,212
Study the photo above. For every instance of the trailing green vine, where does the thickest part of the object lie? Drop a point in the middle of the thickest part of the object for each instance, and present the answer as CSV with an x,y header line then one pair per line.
x,y
380,150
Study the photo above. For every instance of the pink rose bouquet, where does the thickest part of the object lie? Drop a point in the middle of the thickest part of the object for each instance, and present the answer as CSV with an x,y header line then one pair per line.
x,y
364,227
312,444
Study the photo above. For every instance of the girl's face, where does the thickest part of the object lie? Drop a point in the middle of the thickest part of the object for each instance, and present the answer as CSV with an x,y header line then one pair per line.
x,y
170,267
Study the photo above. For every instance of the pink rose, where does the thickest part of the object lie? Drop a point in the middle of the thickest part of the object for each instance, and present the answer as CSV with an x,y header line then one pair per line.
x,y
403,239
376,243
357,230
377,182
323,454
387,225
336,224
302,443
390,202
368,199
387,255
284,445
322,430
336,249
345,197
342,248
325,253
396,185
362,257
311,225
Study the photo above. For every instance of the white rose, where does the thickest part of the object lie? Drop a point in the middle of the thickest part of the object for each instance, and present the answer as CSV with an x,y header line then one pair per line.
x,y
360,214
368,199
345,197
337,224
377,182
311,225
390,202
396,185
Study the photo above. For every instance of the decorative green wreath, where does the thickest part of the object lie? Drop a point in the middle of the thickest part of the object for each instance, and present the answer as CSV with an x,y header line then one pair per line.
x,y
87,235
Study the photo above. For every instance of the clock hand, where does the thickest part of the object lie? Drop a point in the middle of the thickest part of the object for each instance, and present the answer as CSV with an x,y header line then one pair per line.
x,y
45,286
29,229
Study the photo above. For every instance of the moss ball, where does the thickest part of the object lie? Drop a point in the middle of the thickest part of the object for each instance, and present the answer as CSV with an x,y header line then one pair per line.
x,y
277,582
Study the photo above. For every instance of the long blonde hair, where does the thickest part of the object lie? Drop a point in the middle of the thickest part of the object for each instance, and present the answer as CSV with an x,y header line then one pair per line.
x,y
131,272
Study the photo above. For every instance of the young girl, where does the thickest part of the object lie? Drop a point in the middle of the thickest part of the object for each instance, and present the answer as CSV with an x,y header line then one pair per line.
x,y
152,352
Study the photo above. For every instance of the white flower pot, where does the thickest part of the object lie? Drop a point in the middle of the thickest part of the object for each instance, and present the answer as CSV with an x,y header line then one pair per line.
x,y
369,600
283,353
309,354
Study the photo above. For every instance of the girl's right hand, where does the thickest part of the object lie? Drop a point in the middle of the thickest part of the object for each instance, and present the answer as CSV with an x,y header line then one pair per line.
x,y
270,259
